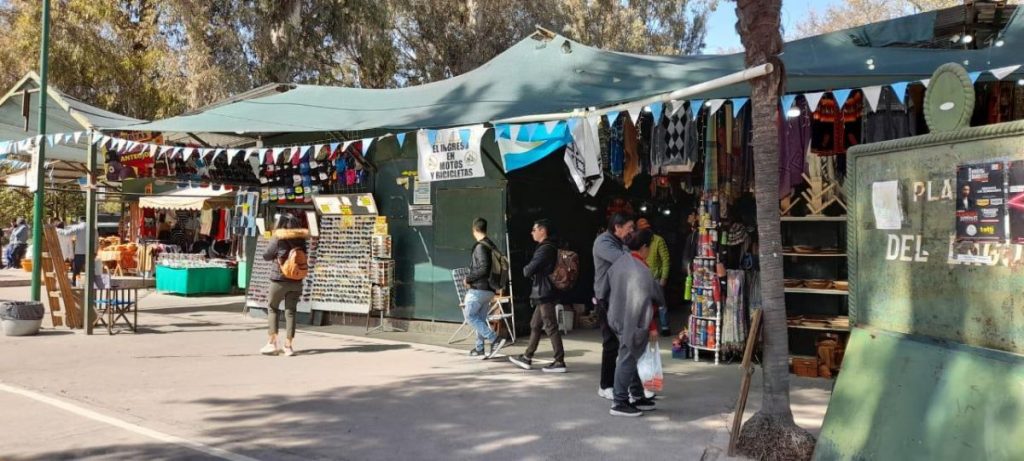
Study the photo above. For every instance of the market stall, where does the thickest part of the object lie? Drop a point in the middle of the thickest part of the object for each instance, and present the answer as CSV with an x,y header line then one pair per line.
x,y
350,266
180,229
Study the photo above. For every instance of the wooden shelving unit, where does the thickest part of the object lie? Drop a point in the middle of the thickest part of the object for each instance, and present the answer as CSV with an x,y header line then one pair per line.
x,y
821,304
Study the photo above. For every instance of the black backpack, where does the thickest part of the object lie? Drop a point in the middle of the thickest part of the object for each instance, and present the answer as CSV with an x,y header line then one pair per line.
x,y
498,278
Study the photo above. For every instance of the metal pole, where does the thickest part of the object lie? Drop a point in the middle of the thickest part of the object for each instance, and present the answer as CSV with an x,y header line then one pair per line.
x,y
89,297
38,207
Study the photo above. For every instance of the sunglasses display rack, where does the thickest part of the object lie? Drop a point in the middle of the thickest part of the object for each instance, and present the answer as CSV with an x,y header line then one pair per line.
x,y
380,248
341,275
382,272
258,292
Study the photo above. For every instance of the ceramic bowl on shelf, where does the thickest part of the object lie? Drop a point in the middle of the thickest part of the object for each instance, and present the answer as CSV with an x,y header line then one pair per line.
x,y
792,283
805,249
841,285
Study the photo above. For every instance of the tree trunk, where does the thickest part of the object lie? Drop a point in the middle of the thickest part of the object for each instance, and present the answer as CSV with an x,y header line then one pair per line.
x,y
770,434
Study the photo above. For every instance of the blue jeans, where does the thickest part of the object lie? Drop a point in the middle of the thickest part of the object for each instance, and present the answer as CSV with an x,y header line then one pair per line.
x,y
478,303
663,316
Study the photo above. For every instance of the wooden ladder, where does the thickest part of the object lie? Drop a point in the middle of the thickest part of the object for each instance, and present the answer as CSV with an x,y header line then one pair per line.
x,y
58,287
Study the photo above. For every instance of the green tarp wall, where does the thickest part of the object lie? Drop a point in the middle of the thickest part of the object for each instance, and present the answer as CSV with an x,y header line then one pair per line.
x,y
425,256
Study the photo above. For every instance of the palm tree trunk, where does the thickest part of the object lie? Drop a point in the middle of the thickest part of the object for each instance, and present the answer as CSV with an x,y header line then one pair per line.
x,y
771,433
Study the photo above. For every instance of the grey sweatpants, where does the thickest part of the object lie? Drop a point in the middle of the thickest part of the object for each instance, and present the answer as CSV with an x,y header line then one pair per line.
x,y
627,379
289,292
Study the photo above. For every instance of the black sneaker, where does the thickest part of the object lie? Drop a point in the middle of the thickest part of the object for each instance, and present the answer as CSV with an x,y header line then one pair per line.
x,y
643,403
522,361
476,353
625,409
555,367
495,348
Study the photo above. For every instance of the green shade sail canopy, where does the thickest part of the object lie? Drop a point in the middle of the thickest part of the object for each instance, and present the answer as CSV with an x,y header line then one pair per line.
x,y
548,73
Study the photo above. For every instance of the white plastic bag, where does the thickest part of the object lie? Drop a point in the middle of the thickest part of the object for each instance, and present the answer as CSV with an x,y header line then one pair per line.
x,y
649,368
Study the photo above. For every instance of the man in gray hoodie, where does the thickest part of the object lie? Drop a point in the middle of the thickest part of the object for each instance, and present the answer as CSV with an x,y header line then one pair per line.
x,y
608,248
633,295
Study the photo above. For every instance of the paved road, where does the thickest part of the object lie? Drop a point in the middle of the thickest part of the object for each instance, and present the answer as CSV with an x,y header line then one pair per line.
x,y
190,386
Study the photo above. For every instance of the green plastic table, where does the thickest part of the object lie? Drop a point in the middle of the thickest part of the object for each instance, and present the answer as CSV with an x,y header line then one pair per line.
x,y
194,280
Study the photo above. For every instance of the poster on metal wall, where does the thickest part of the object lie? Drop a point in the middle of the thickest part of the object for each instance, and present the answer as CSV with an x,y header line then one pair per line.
x,y
981,202
444,155
1015,200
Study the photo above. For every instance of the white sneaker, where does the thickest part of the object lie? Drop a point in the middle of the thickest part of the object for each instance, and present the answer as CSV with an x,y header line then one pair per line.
x,y
608,393
650,395
269,349
288,351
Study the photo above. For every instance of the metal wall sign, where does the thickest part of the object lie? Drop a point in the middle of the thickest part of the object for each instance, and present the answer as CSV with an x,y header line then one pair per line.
x,y
421,215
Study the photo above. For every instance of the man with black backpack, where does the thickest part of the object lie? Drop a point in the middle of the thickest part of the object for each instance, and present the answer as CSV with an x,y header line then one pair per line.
x,y
485,278
542,296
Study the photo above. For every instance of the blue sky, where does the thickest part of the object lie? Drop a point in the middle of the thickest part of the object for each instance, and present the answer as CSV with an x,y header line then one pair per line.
x,y
721,31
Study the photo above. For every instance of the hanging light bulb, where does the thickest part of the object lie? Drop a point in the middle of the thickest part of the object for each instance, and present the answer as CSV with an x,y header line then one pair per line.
x,y
871,61
871,67
1000,43
955,38
968,38
1020,82
666,212
967,62
793,112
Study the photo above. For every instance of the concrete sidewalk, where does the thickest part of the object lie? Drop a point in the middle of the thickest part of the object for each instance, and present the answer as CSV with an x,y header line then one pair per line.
x,y
191,386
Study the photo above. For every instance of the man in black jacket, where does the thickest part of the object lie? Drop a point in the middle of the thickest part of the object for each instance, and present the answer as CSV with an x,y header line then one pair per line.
x,y
543,297
480,293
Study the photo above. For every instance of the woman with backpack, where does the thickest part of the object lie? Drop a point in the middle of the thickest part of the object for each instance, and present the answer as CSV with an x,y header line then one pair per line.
x,y
288,250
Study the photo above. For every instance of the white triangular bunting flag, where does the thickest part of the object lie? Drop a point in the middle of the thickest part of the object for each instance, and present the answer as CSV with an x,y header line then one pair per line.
x,y
513,132
676,106
477,134
317,148
925,82
103,141
152,150
1002,72
634,112
76,136
550,126
187,154
366,145
714,105
813,99
872,94
164,149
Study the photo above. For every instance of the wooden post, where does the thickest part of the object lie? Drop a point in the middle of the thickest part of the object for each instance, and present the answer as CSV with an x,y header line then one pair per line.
x,y
748,372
